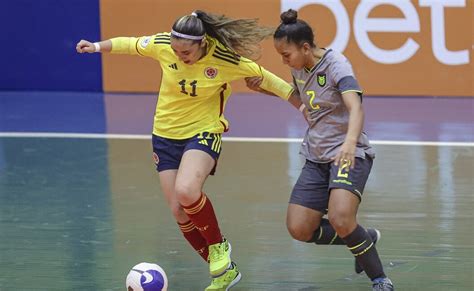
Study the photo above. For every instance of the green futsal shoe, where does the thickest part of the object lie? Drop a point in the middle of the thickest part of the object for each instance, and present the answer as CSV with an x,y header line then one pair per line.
x,y
227,280
219,258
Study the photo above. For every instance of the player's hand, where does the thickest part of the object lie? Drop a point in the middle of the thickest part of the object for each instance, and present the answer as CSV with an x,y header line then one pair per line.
x,y
85,46
253,83
346,154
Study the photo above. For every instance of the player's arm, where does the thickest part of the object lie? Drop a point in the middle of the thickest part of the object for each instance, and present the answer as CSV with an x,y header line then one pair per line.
x,y
353,103
274,84
343,76
352,98
356,115
117,45
85,46
255,83
268,83
125,45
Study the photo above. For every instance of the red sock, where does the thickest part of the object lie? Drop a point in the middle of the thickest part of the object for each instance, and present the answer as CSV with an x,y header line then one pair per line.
x,y
202,215
194,237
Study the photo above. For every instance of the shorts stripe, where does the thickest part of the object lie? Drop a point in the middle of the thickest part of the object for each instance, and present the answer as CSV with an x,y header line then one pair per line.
x,y
216,144
219,143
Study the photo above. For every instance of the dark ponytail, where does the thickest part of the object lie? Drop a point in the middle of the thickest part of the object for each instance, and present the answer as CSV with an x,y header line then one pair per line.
x,y
294,30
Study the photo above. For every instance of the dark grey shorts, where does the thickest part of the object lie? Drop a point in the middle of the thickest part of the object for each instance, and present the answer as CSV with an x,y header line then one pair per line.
x,y
316,181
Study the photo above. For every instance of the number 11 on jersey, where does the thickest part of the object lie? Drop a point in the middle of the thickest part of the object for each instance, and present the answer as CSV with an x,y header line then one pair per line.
x,y
193,87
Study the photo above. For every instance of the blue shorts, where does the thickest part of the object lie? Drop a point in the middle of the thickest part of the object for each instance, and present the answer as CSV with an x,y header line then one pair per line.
x,y
317,180
167,153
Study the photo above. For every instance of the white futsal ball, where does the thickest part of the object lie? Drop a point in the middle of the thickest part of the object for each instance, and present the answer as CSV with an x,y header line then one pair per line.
x,y
147,277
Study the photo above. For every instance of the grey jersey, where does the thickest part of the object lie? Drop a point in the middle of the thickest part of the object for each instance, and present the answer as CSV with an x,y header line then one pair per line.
x,y
321,91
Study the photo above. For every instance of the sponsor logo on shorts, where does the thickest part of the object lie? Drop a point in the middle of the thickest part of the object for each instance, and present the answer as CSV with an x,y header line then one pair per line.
x,y
342,181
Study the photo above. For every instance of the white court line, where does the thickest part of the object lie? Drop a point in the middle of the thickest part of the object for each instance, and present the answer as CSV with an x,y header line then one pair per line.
x,y
234,139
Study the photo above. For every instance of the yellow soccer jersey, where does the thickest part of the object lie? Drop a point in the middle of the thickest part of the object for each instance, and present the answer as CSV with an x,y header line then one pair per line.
x,y
192,98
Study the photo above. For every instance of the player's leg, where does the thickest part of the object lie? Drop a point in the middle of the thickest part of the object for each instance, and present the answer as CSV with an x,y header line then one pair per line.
x,y
167,155
308,204
302,221
375,235
342,211
198,161
187,227
194,168
346,188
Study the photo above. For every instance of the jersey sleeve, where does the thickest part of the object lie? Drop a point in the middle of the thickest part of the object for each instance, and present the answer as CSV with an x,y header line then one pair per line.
x,y
343,76
276,85
348,84
148,46
124,45
270,82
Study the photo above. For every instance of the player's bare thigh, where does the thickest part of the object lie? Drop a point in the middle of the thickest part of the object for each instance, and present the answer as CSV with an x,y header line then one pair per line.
x,y
193,171
167,182
342,211
302,221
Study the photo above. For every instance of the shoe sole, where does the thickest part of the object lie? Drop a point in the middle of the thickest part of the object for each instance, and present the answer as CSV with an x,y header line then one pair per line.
x,y
234,282
227,267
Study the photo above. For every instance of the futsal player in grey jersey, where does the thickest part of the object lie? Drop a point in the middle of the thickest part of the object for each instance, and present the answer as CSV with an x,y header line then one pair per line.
x,y
328,118
338,154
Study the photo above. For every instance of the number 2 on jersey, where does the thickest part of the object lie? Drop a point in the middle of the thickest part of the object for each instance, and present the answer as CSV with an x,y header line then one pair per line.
x,y
312,96
193,87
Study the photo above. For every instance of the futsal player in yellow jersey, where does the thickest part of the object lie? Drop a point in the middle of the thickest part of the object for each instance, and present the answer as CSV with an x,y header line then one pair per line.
x,y
201,55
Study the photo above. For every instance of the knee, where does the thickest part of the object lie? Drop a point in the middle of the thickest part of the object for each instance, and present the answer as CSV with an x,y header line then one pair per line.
x,y
299,233
343,224
186,194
